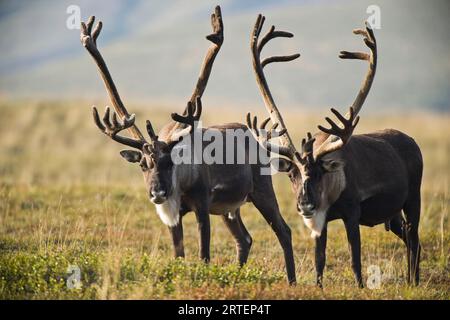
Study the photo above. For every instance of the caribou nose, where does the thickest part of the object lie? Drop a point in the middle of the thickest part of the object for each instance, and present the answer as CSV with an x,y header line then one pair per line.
x,y
307,209
159,194
158,197
307,205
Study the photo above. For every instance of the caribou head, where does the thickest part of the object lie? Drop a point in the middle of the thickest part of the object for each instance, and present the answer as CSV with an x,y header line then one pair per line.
x,y
153,155
317,171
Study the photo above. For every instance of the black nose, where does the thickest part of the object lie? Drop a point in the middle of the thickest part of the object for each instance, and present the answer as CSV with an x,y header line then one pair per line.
x,y
307,206
158,193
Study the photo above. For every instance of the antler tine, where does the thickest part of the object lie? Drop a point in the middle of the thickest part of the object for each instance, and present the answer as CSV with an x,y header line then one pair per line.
x,y
369,40
217,25
97,119
264,123
194,111
263,137
198,109
307,149
150,131
89,24
349,125
279,59
271,34
307,144
371,43
112,129
257,28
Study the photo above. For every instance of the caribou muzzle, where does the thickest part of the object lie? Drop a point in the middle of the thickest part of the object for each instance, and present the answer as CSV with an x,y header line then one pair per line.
x,y
158,197
306,204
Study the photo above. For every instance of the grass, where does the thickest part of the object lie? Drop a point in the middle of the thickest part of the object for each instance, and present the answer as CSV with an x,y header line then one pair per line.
x,y
68,199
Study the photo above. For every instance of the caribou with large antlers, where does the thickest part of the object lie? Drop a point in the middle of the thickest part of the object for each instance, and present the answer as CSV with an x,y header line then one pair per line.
x,y
178,188
364,179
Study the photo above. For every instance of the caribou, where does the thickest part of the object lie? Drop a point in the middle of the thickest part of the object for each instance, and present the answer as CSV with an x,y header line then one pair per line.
x,y
176,189
363,179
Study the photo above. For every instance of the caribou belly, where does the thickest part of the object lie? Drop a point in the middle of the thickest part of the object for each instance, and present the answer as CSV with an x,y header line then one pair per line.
x,y
226,208
380,208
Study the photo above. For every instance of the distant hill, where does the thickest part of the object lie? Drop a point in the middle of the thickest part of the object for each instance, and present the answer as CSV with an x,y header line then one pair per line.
x,y
154,50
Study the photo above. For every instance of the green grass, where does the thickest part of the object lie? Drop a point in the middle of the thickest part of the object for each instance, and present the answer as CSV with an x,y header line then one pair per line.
x,y
67,198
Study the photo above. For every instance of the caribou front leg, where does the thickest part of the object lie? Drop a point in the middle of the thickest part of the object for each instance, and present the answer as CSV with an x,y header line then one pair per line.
x,y
204,228
320,255
177,238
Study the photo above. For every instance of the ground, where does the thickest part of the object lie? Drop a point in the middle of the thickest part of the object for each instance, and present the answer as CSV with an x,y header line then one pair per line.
x,y
68,202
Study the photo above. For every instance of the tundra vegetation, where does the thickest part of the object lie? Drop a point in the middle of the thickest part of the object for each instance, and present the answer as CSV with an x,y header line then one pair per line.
x,y
66,198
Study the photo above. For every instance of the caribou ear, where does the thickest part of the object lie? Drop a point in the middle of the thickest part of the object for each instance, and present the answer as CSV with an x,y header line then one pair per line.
x,y
131,155
281,164
332,165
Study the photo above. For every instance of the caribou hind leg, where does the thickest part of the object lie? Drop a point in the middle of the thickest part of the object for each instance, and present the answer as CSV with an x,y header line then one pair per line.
x,y
398,227
412,213
240,235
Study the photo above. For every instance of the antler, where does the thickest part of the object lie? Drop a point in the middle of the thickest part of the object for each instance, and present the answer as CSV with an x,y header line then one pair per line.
x,y
307,149
258,67
331,143
343,133
112,129
370,41
194,111
216,37
217,40
263,136
89,40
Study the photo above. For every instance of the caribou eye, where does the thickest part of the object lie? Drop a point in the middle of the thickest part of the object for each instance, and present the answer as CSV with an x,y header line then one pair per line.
x,y
143,164
332,165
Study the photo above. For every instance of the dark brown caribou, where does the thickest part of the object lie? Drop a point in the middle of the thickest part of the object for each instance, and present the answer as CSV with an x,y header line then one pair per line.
x,y
178,188
364,179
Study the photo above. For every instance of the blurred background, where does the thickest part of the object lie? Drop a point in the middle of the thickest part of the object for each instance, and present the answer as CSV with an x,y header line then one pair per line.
x,y
155,48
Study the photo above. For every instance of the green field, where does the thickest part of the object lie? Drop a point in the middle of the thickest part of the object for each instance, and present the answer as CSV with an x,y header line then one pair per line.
x,y
68,198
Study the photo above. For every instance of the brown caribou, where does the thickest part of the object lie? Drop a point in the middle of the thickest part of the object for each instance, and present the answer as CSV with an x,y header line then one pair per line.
x,y
364,179
178,188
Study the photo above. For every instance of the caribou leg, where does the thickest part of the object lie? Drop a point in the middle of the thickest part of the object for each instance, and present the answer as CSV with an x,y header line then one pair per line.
x,y
177,238
204,228
240,235
398,227
354,240
266,202
320,255
412,213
